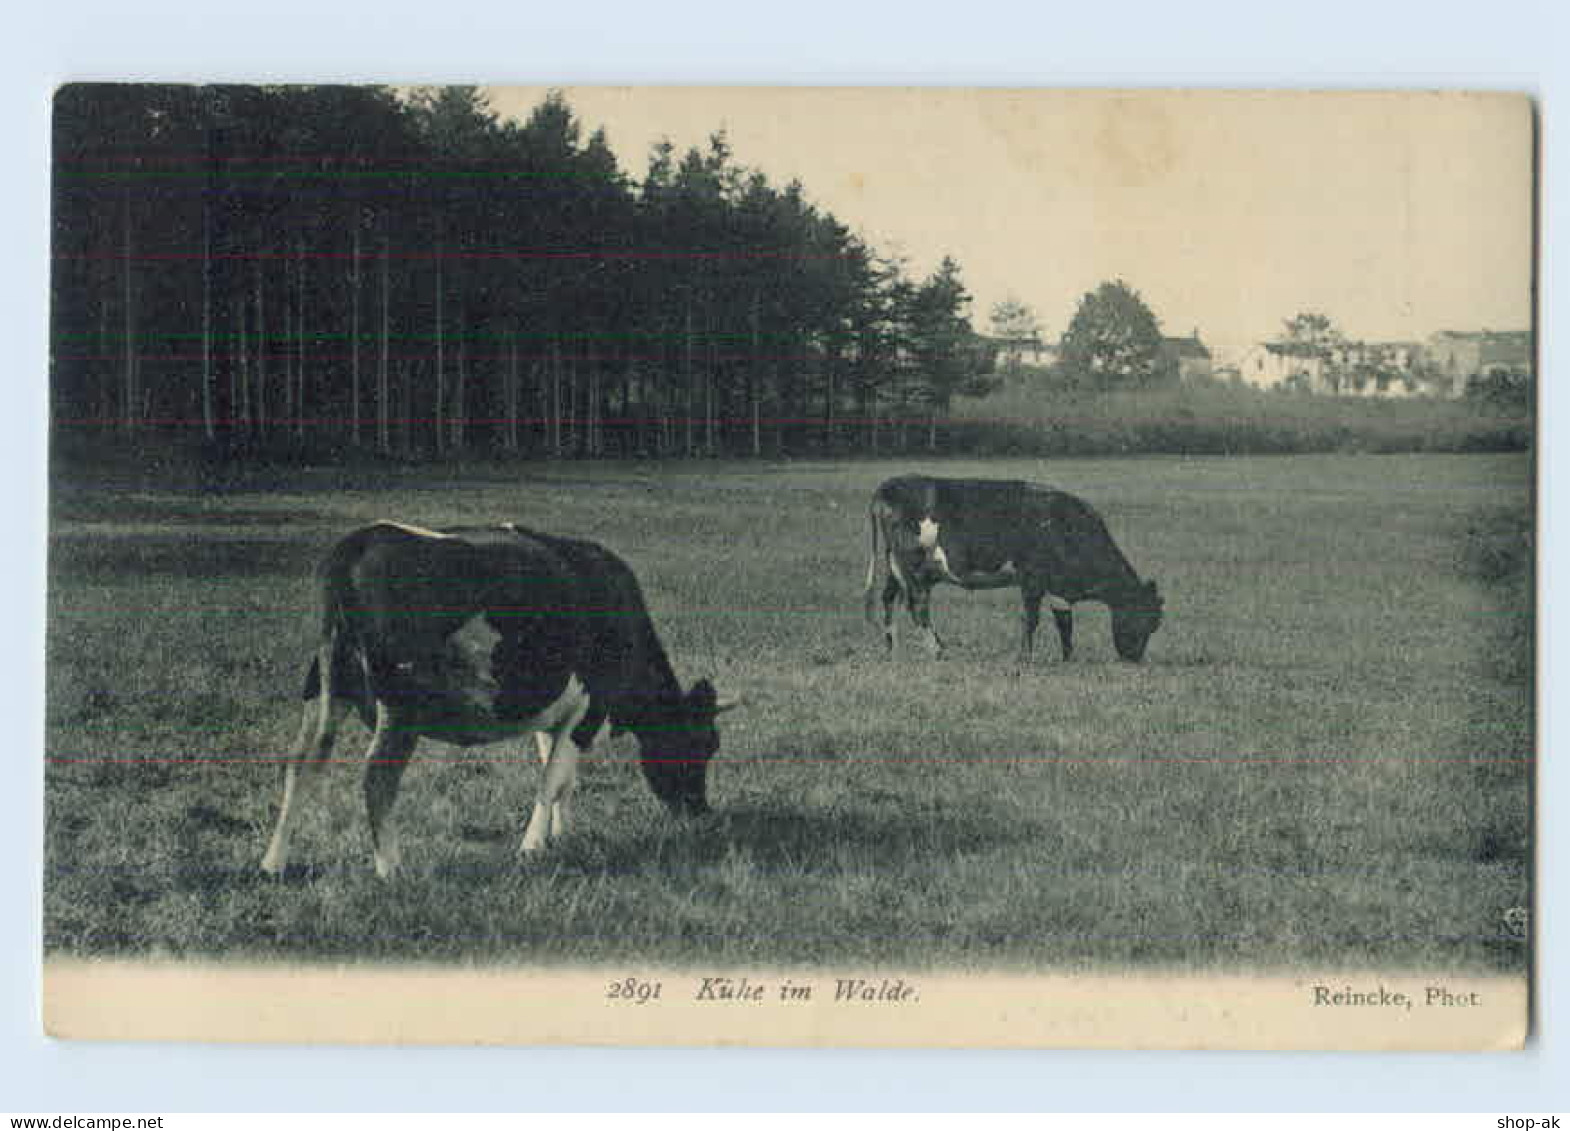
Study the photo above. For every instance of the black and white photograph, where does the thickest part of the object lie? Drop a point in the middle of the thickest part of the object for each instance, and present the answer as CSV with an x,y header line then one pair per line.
x,y
924,566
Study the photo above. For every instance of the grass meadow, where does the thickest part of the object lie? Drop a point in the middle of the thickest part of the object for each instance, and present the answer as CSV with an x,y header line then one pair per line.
x,y
1324,762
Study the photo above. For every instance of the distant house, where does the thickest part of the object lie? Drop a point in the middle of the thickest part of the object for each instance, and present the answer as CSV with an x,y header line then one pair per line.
x,y
1460,355
1367,369
1380,369
1272,365
1191,356
1012,352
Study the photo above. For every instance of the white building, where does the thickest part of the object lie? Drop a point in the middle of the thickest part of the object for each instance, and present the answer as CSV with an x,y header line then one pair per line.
x,y
1352,369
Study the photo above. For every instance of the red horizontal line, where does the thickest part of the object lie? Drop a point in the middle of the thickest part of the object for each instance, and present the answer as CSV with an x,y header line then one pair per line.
x,y
433,610
654,416
291,256
347,158
370,419
787,758
370,357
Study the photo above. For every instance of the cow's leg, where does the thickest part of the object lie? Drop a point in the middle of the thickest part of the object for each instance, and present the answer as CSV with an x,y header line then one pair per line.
x,y
1063,615
560,754
385,760
1030,617
318,728
920,597
561,808
892,589
561,768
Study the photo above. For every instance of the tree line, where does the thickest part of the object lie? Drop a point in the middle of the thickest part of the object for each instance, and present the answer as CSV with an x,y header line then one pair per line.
x,y
410,273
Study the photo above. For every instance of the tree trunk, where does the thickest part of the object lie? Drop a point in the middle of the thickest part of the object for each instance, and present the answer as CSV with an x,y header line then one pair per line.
x,y
286,349
460,391
664,394
709,439
128,419
512,394
261,348
756,382
233,416
576,411
383,385
406,405
631,435
541,375
354,338
299,322
555,403
688,384
243,366
441,391
830,357
209,428
781,396
105,382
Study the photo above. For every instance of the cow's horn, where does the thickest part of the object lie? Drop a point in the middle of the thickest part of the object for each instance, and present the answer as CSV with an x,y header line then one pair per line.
x,y
729,703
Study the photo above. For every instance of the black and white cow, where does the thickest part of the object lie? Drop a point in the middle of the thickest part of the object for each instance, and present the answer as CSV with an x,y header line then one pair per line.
x,y
995,534
477,634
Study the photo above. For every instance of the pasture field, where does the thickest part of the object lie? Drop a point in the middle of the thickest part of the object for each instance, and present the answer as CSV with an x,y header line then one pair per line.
x,y
1325,760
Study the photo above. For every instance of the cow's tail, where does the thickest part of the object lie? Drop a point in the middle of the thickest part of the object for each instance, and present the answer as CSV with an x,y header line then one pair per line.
x,y
326,682
334,672
870,597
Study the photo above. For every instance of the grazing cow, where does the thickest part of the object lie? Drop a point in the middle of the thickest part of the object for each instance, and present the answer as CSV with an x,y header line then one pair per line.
x,y
996,534
477,634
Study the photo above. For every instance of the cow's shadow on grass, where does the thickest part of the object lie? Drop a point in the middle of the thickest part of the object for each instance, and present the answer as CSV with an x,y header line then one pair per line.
x,y
780,837
769,837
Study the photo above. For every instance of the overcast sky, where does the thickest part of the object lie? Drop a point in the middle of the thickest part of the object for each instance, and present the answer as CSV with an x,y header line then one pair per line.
x,y
1396,214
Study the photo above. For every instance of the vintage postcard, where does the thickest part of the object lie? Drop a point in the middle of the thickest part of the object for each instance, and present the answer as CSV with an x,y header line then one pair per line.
x,y
709,566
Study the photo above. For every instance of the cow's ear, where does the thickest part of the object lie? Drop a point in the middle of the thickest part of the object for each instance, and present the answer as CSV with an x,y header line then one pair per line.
x,y
702,697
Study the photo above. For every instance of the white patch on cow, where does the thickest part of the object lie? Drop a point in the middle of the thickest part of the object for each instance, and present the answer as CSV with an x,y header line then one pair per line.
x,y
1058,603
417,531
927,539
472,647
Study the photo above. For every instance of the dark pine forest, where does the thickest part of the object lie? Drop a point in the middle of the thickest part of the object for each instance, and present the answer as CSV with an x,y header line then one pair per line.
x,y
260,271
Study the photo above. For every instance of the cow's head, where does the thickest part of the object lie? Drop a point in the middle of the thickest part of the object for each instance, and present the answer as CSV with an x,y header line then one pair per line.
x,y
1135,620
676,754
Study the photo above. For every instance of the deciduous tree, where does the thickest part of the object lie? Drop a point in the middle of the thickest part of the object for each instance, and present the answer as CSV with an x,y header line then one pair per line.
x,y
1114,341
